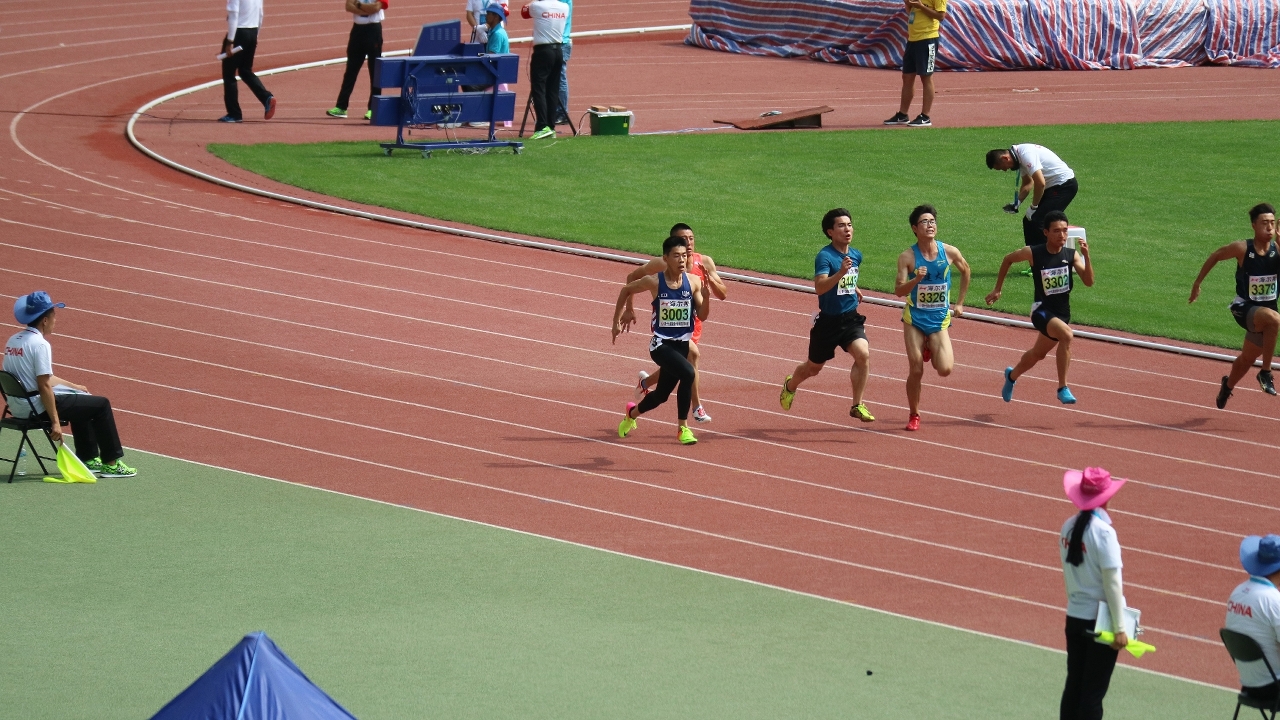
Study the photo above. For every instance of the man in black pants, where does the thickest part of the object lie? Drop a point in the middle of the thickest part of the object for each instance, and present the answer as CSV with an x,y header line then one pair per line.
x,y
364,42
238,47
1042,175
29,358
549,17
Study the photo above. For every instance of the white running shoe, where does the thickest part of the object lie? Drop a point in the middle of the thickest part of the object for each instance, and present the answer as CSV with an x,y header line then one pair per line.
x,y
701,415
641,390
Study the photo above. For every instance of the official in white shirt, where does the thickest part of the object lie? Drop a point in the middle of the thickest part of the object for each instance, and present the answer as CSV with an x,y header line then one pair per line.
x,y
29,357
363,43
549,18
244,17
1050,182
1091,568
1254,610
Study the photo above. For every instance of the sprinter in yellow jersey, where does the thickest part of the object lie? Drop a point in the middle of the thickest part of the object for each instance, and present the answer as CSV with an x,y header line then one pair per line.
x,y
924,18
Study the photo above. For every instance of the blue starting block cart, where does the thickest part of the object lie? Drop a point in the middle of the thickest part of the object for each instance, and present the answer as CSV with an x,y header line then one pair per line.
x,y
431,83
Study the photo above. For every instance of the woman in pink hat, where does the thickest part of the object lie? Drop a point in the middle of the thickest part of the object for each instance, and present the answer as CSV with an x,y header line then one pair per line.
x,y
1091,568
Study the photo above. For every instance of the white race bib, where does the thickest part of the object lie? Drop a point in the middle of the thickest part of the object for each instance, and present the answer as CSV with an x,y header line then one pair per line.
x,y
931,297
1262,288
673,313
848,284
1056,280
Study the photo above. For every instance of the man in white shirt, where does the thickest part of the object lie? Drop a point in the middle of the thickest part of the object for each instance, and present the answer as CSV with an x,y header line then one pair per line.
x,y
566,49
364,42
1051,184
29,358
1254,610
244,17
549,18
475,18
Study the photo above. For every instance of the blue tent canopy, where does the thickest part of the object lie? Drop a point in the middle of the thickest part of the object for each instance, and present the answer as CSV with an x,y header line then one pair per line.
x,y
254,681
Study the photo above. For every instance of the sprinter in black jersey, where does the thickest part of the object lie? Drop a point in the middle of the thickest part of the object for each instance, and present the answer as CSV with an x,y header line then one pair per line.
x,y
1053,266
1254,307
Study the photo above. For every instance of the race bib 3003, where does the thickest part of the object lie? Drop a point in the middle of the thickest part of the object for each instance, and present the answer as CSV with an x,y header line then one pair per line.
x,y
1056,280
1262,288
674,313
848,284
931,297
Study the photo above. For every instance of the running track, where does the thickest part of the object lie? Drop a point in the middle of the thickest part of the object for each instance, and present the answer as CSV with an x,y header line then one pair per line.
x,y
477,380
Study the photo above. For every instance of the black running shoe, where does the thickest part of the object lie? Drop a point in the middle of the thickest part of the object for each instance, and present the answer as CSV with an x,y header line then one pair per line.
x,y
921,120
898,119
1265,382
1224,393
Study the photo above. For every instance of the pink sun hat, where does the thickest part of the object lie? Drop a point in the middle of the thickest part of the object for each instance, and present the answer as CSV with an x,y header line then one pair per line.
x,y
1092,488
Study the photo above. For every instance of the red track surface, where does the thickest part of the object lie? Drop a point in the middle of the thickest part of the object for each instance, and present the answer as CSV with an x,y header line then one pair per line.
x,y
373,349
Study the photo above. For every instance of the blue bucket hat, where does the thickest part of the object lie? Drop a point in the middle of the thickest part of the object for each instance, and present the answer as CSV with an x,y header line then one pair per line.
x,y
32,305
496,9
1260,556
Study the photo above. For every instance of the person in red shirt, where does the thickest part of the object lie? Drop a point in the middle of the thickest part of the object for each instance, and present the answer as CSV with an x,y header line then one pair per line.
x,y
704,268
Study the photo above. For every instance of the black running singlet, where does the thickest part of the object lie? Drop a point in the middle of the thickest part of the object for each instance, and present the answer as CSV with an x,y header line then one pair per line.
x,y
1256,277
1054,277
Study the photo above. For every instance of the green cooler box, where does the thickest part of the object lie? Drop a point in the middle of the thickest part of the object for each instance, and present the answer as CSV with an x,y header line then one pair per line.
x,y
610,123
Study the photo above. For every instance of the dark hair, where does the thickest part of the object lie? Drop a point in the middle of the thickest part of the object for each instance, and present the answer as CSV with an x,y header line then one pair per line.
x,y
678,227
1260,209
672,243
921,210
993,156
1075,547
41,316
829,220
1053,217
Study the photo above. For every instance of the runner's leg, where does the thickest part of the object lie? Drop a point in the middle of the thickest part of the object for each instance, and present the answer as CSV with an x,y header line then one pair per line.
x,y
1038,352
944,358
803,371
677,372
1268,322
1243,363
914,340
1062,332
693,360
860,350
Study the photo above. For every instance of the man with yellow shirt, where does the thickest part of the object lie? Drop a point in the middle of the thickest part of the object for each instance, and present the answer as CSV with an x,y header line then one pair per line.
x,y
924,17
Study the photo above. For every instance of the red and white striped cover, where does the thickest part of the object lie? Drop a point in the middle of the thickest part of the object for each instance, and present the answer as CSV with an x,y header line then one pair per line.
x,y
1002,34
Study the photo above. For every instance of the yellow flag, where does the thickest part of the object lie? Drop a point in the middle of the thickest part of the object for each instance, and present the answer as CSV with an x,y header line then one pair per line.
x,y
1136,648
72,469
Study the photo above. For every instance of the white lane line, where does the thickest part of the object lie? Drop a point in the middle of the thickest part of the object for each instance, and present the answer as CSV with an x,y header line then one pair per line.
x,y
510,336
582,471
523,365
544,316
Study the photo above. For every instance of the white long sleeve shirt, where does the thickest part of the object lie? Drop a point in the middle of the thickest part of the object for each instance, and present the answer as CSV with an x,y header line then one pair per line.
x,y
243,14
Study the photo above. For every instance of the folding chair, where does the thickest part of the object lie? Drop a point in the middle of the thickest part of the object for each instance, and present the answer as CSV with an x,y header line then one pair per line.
x,y
1245,649
11,387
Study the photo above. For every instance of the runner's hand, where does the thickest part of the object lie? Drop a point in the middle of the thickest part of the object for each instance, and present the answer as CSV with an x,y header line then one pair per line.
x,y
617,330
993,296
858,291
957,310
627,320
921,272
1195,293
1084,246
846,266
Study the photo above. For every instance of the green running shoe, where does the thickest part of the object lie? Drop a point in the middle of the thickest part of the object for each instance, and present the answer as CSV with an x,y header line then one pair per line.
x,y
686,436
786,397
545,132
368,114
861,412
117,469
628,423
94,465
336,112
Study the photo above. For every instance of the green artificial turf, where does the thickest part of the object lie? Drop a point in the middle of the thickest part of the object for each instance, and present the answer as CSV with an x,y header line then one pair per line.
x,y
117,595
1156,199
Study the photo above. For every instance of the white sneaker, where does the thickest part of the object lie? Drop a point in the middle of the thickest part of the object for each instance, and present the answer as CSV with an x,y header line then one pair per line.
x,y
641,390
478,124
701,415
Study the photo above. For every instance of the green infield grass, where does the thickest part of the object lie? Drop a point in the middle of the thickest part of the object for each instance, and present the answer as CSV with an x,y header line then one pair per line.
x,y
1154,198
117,595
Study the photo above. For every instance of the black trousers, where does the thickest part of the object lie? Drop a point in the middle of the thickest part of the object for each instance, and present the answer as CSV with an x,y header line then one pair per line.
x,y
1057,197
1089,667
544,80
93,424
673,358
242,63
364,42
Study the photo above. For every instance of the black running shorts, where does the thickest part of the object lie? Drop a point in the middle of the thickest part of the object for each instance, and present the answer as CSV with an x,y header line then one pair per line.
x,y
1040,318
834,331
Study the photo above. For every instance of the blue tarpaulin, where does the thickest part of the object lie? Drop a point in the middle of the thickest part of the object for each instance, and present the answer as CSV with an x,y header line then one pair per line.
x,y
254,681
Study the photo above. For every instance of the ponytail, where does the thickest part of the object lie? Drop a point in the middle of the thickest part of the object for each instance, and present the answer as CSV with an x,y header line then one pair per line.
x,y
1075,548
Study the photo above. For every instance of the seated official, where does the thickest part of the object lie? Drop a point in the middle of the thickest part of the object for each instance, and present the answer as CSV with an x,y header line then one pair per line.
x,y
29,357
1254,610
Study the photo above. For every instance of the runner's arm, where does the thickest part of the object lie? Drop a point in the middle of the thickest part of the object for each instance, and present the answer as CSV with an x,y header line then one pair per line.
x,y
1084,266
953,254
713,278
908,277
647,282
701,297
1230,250
653,267
1022,254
